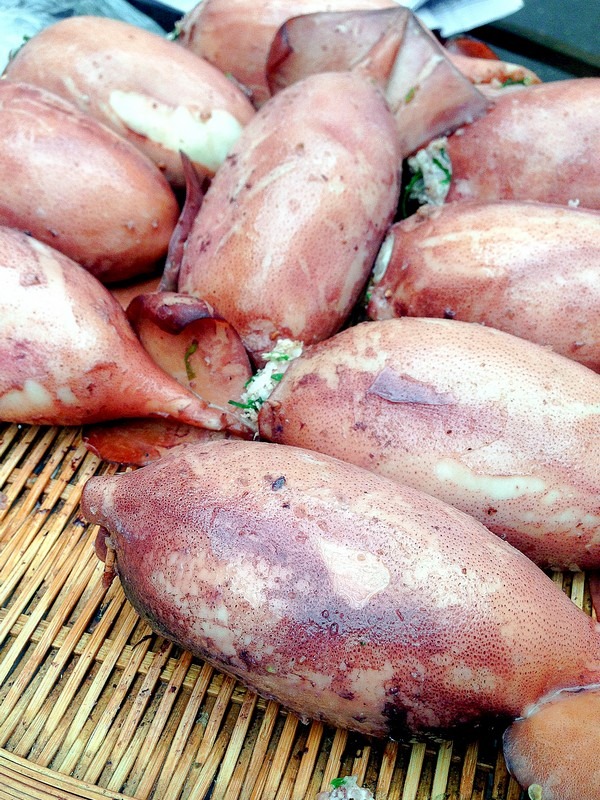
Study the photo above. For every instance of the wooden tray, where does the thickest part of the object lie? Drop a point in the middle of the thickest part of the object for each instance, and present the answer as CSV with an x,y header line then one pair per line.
x,y
93,705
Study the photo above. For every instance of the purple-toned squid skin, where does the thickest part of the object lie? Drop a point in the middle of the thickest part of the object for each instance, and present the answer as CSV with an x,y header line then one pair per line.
x,y
539,143
553,748
90,61
80,188
235,35
500,427
67,353
291,224
531,269
426,93
337,592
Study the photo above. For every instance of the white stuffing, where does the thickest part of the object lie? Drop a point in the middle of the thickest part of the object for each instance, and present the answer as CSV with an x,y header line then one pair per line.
x,y
260,386
432,173
346,789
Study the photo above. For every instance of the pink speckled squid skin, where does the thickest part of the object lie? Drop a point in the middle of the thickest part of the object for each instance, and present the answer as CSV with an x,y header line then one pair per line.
x,y
530,269
337,592
84,59
67,353
79,187
289,229
500,427
554,746
538,143
427,95
491,71
235,35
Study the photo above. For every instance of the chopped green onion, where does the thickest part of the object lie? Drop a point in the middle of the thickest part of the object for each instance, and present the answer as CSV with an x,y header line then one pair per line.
x,y
186,360
251,405
409,192
524,81
258,388
443,168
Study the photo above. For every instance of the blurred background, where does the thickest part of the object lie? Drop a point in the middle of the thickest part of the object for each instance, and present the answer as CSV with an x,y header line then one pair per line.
x,y
553,38
556,39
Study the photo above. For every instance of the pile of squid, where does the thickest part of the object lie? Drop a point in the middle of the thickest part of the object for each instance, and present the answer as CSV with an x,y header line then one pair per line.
x,y
333,285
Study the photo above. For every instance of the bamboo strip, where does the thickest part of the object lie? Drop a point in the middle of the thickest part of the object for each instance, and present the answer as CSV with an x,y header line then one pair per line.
x,y
309,758
453,780
360,764
32,554
514,791
69,578
14,793
169,786
427,773
147,765
386,770
25,791
44,575
25,559
334,762
30,789
47,744
160,763
112,773
501,776
14,489
258,760
97,751
265,767
234,748
60,659
398,779
19,770
55,489
234,790
22,727
578,589
289,769
558,578
467,778
7,469
216,717
127,744
209,769
442,770
123,656
65,721
73,744
19,481
280,759
7,437
375,759
316,778
27,696
34,793
62,445
67,489
413,772
17,557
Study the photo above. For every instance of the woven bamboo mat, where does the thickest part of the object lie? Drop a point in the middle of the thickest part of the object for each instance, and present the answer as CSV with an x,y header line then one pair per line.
x,y
93,705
